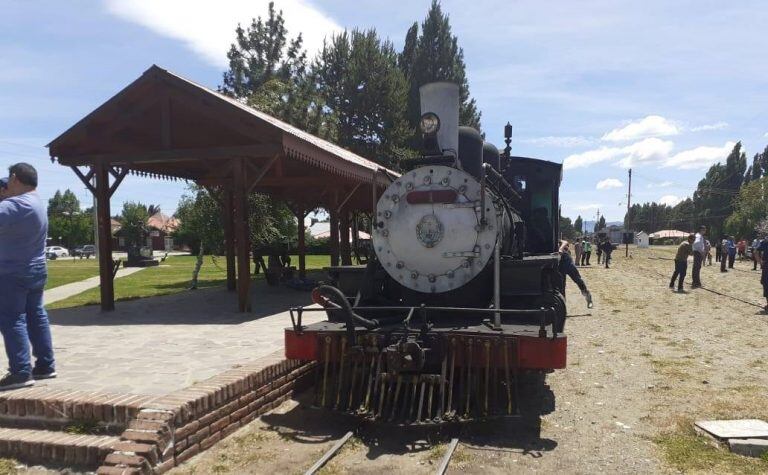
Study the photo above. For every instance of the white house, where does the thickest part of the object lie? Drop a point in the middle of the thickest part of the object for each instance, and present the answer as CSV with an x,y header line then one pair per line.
x,y
641,239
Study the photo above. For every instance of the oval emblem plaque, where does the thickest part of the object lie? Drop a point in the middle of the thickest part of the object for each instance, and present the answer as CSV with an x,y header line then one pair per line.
x,y
429,231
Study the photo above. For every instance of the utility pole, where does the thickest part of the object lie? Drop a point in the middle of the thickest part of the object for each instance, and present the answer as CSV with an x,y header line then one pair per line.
x,y
629,217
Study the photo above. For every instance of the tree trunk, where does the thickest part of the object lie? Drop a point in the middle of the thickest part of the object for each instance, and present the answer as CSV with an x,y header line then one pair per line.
x,y
198,265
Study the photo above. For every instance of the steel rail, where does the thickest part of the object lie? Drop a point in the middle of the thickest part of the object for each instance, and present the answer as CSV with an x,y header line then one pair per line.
x,y
441,469
329,454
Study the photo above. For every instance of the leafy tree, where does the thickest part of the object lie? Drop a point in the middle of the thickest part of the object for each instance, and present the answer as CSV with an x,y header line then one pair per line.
x,y
600,224
133,223
750,207
712,198
435,55
364,91
567,230
66,223
268,71
275,224
200,223
62,203
578,225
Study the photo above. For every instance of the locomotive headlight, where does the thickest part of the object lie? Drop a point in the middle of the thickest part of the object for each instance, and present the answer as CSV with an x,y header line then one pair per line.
x,y
429,123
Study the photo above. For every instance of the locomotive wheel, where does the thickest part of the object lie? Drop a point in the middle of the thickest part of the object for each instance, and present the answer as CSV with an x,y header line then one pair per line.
x,y
557,301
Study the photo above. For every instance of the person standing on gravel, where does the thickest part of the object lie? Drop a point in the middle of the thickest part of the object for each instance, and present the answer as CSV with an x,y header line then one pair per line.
x,y
607,249
587,252
578,250
681,262
762,253
699,248
755,258
731,251
23,273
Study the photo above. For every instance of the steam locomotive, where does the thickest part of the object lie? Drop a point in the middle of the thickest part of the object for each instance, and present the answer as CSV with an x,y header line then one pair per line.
x,y
463,293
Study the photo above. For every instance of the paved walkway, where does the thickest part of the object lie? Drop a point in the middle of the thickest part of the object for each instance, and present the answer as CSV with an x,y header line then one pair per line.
x,y
160,344
68,290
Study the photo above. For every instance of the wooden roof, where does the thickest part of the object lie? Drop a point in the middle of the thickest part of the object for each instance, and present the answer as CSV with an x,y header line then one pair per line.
x,y
164,125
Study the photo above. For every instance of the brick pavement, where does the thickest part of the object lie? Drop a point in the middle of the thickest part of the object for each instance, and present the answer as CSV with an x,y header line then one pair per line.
x,y
161,344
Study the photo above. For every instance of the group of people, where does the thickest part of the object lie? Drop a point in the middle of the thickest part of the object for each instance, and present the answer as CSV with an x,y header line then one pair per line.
x,y
725,252
23,273
583,251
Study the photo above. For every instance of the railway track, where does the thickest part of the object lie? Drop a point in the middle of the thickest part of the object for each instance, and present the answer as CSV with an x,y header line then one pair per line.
x,y
442,468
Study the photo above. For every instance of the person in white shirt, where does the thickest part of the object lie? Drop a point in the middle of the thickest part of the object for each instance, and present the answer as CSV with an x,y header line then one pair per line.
x,y
699,251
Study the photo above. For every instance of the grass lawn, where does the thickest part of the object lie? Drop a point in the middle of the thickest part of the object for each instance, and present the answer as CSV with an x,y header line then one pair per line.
x,y
62,272
170,277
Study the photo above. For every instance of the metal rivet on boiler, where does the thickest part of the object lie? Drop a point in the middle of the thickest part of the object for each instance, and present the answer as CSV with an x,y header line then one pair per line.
x,y
387,214
409,186
414,275
385,233
400,264
450,275
395,198
432,278
427,180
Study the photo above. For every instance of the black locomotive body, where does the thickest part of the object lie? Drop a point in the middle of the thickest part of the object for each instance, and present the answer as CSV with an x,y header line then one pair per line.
x,y
463,291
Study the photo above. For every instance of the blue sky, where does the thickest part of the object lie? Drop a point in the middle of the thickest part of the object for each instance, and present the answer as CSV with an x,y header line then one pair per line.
x,y
664,87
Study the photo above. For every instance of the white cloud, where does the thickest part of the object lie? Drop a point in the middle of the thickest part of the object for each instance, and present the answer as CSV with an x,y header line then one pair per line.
x,y
609,183
587,207
208,28
662,184
765,134
559,141
650,150
670,200
699,157
715,126
650,126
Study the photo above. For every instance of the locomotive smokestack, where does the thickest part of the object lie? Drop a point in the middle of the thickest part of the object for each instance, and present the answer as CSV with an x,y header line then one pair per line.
x,y
441,100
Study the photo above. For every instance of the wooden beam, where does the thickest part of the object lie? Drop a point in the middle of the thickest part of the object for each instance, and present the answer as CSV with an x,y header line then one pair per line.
x,y
153,156
261,172
242,237
119,176
300,181
104,223
302,245
345,252
227,203
333,241
86,179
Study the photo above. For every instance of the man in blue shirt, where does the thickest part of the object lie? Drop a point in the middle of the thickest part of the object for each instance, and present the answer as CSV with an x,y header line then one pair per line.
x,y
762,254
23,319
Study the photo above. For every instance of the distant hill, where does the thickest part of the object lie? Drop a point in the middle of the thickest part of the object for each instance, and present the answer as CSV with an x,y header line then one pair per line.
x,y
590,225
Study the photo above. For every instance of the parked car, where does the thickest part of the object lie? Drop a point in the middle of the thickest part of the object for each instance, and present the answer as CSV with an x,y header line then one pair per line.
x,y
57,251
84,251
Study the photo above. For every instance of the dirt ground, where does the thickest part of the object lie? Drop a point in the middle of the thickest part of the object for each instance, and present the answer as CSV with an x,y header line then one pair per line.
x,y
643,364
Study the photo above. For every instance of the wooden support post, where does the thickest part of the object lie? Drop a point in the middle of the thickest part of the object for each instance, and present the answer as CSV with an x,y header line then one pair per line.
x,y
333,241
227,206
302,245
104,223
344,249
242,237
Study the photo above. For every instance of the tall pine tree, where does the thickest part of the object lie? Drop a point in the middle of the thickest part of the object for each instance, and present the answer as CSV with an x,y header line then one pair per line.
x,y
435,55
365,92
268,71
